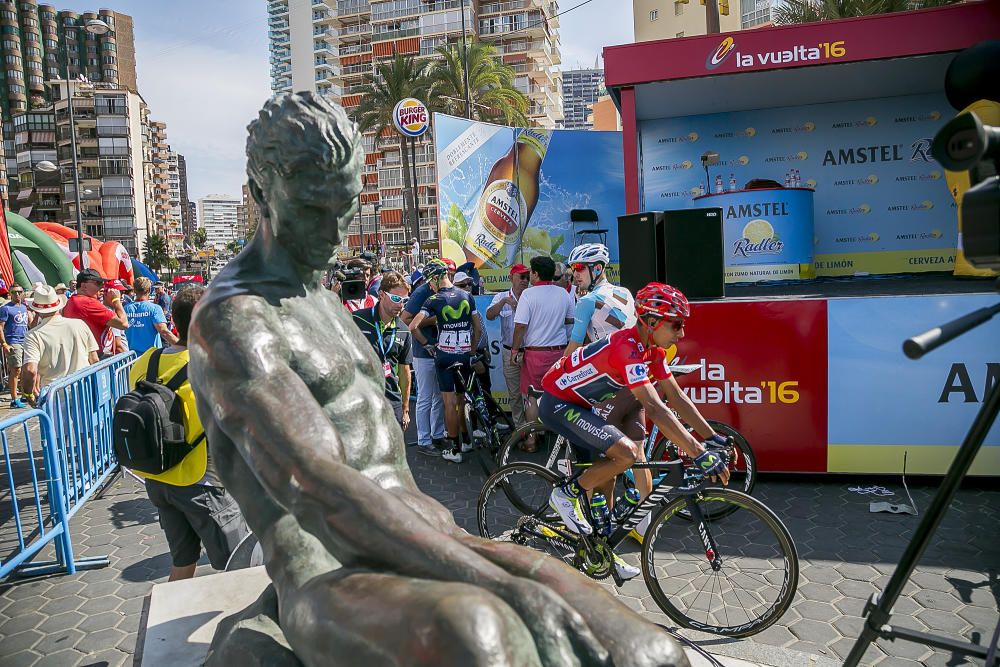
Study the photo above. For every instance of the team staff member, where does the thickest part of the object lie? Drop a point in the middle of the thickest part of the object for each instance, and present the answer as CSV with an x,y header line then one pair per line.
x,y
391,341
503,306
458,333
543,313
195,509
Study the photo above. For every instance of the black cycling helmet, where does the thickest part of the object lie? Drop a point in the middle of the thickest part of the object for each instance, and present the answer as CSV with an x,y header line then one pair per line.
x,y
435,268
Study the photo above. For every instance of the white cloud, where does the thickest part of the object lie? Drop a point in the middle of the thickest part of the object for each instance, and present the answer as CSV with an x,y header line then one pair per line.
x,y
207,96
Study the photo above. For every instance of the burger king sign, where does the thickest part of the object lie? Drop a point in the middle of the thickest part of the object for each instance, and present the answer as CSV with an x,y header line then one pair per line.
x,y
411,117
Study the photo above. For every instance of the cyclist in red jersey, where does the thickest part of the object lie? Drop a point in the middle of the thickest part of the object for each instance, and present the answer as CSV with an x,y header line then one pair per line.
x,y
628,360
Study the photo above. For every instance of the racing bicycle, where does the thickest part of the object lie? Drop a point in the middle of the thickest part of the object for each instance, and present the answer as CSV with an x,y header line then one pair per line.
x,y
486,423
734,576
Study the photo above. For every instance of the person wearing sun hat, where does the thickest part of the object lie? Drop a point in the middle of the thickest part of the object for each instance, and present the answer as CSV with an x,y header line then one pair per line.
x,y
56,347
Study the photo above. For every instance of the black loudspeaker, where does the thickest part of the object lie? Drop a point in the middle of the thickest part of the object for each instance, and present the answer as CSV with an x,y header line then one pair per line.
x,y
641,249
693,250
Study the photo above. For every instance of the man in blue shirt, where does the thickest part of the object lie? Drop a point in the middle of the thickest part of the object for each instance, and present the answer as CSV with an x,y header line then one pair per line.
x,y
15,318
147,324
164,300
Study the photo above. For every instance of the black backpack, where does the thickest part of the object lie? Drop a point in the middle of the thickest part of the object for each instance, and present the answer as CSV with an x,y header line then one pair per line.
x,y
148,428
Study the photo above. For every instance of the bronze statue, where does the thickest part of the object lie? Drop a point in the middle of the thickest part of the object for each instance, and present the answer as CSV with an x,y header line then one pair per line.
x,y
366,569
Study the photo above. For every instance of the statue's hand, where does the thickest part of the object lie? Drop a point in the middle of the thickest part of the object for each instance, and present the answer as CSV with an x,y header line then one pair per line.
x,y
560,633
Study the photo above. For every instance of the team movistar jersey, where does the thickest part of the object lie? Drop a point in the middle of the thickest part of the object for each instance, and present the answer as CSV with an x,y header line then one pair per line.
x,y
595,373
603,311
453,309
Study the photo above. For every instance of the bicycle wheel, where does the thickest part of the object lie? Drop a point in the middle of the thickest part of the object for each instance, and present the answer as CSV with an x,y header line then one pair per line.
x,y
759,569
497,426
549,447
514,507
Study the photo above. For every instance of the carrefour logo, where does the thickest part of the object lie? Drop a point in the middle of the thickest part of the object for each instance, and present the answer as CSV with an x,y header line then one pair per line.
x,y
410,117
721,53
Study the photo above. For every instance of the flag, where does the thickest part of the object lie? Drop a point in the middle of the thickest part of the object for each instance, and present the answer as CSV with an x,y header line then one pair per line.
x,y
6,268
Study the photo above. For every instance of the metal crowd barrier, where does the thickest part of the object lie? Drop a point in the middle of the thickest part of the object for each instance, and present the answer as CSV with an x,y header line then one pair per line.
x,y
75,416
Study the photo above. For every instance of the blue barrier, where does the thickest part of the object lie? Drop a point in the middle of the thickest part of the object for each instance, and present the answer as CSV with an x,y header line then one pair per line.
x,y
50,523
75,415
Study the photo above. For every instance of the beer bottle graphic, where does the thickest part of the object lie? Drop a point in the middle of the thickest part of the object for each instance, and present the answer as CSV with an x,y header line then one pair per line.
x,y
508,200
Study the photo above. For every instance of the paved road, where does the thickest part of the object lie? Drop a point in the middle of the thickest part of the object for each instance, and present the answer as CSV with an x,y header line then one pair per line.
x,y
92,618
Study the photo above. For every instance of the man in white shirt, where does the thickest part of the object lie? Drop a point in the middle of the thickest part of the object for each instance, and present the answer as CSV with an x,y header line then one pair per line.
x,y
57,347
540,335
503,306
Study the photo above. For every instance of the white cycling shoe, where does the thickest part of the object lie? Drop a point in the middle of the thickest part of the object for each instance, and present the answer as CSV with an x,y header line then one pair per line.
x,y
624,570
570,511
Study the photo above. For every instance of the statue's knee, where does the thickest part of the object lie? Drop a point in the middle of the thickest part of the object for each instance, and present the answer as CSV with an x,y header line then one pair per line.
x,y
477,628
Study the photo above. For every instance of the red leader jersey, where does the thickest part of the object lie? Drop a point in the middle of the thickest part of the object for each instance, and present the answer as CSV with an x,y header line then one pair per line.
x,y
594,374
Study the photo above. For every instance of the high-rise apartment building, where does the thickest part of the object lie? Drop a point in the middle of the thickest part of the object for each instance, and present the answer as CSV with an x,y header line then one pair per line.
x,y
251,213
655,19
332,46
217,214
39,44
187,218
581,88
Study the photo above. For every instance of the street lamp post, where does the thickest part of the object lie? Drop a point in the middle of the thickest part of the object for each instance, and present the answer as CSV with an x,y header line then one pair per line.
x,y
94,27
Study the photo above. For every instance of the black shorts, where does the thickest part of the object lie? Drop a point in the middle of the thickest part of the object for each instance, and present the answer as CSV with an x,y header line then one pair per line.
x,y
442,364
196,515
579,424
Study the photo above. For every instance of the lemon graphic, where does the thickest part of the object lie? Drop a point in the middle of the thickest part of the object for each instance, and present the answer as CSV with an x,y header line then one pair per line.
x,y
686,164
809,126
935,115
927,204
935,175
692,136
758,230
745,159
811,183
452,251
750,131
873,236
803,155
936,233
872,180
871,121
865,208
696,190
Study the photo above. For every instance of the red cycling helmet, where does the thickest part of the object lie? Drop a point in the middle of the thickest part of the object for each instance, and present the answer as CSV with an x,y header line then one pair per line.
x,y
662,301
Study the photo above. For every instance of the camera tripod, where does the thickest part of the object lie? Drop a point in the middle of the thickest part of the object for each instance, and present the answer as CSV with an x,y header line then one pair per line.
x,y
878,609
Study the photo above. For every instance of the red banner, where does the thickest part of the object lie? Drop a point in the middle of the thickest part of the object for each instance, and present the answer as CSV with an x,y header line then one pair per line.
x,y
765,373
6,267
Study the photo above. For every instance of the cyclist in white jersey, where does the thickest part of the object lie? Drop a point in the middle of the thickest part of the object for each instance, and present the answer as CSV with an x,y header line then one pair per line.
x,y
604,307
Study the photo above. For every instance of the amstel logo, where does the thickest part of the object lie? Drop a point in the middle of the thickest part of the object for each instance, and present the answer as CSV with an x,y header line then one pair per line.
x,y
411,117
721,53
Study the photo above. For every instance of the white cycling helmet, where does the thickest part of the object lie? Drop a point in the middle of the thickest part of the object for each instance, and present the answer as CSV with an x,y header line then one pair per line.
x,y
590,253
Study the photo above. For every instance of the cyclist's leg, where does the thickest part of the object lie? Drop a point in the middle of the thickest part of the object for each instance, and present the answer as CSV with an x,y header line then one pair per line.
x,y
627,414
446,382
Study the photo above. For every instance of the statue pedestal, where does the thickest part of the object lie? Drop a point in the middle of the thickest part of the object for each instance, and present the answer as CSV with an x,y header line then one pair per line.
x,y
182,615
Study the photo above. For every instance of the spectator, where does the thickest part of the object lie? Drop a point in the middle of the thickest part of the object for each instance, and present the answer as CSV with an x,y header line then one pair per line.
x,y
503,306
430,405
16,320
164,301
543,314
72,289
195,509
61,291
466,283
391,341
147,325
56,347
85,306
563,278
355,267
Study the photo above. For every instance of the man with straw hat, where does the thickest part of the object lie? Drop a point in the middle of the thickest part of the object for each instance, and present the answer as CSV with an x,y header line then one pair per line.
x,y
56,347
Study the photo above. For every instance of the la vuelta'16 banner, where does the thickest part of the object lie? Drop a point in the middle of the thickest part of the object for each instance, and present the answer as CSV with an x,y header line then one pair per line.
x,y
505,194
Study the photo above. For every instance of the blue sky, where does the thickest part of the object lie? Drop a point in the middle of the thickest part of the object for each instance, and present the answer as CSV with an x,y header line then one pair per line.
x,y
203,69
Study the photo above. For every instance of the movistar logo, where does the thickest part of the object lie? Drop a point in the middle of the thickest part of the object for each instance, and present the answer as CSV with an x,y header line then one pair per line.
x,y
572,415
451,314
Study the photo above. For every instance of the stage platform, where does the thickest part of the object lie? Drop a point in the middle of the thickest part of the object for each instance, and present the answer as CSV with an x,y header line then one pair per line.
x,y
914,284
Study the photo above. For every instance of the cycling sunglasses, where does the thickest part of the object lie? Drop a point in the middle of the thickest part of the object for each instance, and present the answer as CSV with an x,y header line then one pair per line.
x,y
395,298
579,267
676,324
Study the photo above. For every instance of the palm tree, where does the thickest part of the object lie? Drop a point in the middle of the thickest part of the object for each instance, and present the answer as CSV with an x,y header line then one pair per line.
x,y
394,80
156,253
493,96
808,11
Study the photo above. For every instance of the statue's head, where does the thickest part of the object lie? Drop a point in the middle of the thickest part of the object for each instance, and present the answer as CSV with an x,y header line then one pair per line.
x,y
304,162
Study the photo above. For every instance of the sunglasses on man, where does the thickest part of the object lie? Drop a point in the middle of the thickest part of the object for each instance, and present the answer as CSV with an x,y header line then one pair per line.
x,y
395,298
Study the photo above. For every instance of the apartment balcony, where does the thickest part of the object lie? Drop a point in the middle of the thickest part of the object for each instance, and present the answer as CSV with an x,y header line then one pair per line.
x,y
383,11
348,8
488,8
355,49
395,34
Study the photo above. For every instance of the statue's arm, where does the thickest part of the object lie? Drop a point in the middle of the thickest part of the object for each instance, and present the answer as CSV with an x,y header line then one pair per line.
x,y
242,377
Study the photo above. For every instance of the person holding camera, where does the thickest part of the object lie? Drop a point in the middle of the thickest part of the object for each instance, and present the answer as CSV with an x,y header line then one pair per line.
x,y
391,340
354,290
